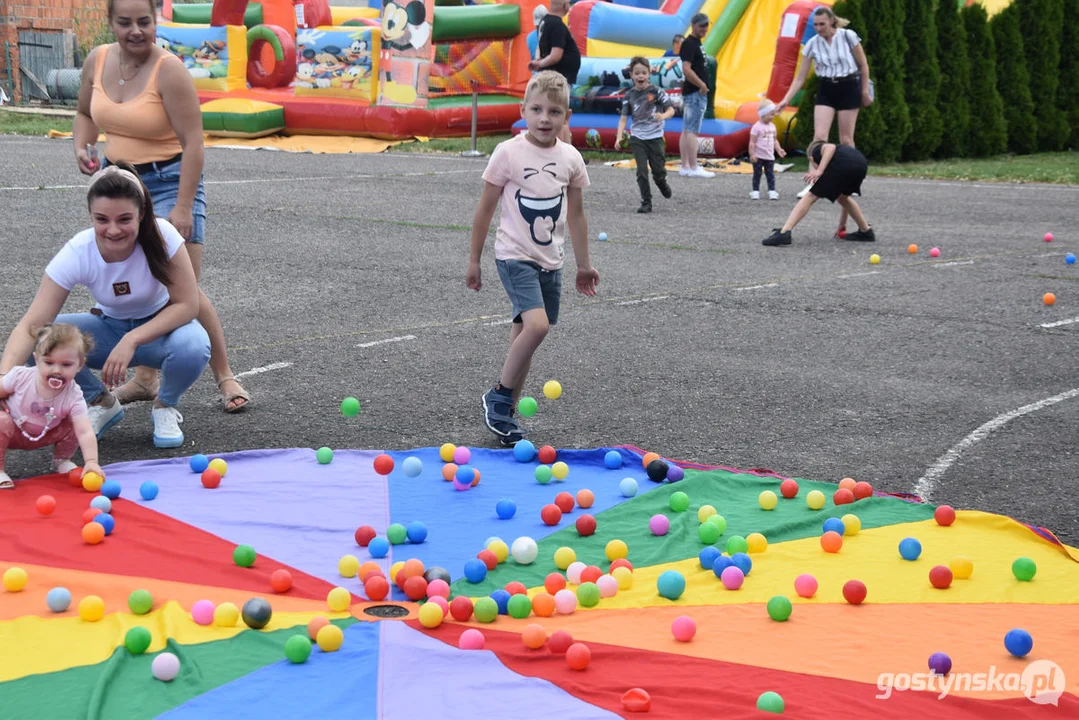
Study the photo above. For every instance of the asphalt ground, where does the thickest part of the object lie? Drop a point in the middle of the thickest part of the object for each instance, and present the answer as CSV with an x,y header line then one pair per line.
x,y
702,344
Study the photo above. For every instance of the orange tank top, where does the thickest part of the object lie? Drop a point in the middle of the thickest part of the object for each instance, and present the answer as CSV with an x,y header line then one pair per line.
x,y
137,131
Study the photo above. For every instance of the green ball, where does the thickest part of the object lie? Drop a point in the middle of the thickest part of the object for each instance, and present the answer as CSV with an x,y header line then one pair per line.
x,y
324,455
737,544
679,501
137,640
1024,569
770,702
396,533
719,521
708,532
780,608
588,594
350,407
527,406
244,555
543,474
519,606
485,609
140,602
298,648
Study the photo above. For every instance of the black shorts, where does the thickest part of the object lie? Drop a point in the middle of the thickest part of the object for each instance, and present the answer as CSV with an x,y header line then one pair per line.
x,y
840,93
833,184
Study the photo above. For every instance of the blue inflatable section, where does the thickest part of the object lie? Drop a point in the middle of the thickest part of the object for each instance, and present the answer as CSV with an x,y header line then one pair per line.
x,y
640,27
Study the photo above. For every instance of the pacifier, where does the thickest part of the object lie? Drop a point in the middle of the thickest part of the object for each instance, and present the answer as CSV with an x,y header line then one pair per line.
x,y
55,383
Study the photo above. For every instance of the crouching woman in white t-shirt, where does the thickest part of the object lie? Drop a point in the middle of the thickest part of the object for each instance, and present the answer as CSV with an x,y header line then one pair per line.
x,y
138,272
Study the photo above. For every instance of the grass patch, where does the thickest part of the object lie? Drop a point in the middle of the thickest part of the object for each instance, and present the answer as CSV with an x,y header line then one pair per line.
x,y
12,123
1058,168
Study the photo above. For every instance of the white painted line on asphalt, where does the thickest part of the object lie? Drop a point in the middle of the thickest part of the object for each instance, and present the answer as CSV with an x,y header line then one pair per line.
x,y
255,181
265,368
1058,323
400,338
953,264
756,287
643,300
924,487
507,321
861,274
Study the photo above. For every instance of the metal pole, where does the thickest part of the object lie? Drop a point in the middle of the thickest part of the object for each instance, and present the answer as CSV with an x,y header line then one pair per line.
x,y
474,153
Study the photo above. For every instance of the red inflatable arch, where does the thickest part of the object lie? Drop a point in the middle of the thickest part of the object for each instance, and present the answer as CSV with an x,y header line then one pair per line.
x,y
231,12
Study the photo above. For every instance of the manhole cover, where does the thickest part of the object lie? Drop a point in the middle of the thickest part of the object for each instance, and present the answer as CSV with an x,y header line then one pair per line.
x,y
386,611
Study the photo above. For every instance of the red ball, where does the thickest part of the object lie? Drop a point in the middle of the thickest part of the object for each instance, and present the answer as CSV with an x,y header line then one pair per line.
x,y
554,582
415,588
281,580
74,476
516,588
46,504
89,514
945,515
854,592
400,578
586,525
364,535
591,574
489,558
862,490
551,515
547,454
559,642
461,608
565,502
788,489
372,573
621,562
842,234
578,656
384,464
843,496
940,577
376,587
210,478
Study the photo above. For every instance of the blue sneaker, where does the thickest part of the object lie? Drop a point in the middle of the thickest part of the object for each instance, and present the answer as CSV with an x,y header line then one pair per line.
x,y
498,415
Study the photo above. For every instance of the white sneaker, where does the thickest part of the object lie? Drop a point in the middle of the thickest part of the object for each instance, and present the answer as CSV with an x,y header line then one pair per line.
x,y
63,466
805,190
685,172
700,172
755,195
102,418
773,195
167,433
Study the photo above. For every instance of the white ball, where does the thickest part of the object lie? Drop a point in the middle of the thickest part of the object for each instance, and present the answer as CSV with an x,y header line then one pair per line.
x,y
488,541
573,572
165,667
102,503
524,550
608,586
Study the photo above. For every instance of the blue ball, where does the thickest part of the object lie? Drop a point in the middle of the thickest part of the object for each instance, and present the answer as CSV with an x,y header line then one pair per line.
x,y
102,503
834,525
379,547
671,584
416,531
412,466
524,451
708,557
675,473
148,490
199,463
1018,642
1070,258
742,562
475,570
721,563
602,237
628,487
465,475
502,598
506,508
613,459
58,599
111,489
106,521
910,548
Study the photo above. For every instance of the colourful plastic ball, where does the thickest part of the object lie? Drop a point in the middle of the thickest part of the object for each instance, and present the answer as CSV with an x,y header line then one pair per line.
x,y
552,389
719,521
383,464
616,550
519,606
767,500
671,584
202,612
148,490
445,453
704,512
780,608
416,532
628,487
721,563
1024,569
256,613
397,534
940,577
500,549
298,648
588,594
679,501
506,508
1070,258
736,544
93,533
563,557
910,549
591,573
602,237
551,514
46,504
1018,642
412,466
430,615
281,580
657,470
862,490
92,482
524,551
612,460
350,407
137,640
524,451
578,656
743,562
805,585
111,489
843,496
226,615
565,601
675,474
324,455
543,474
732,577
475,570
771,702
58,599
140,602
934,252
485,609
962,567
364,535
1048,237
330,638
102,503
585,498
586,525
940,664
199,463
470,639
378,547
559,642
854,592
244,556
527,406
831,542
220,466
565,502
108,522
708,557
815,500
708,533
338,599
560,470
573,572
91,608
608,585
944,515
756,543
683,628
165,667
461,608
659,525
788,488
210,478
852,524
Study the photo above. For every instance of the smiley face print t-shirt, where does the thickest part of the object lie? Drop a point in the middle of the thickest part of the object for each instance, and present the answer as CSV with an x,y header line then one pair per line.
x,y
534,181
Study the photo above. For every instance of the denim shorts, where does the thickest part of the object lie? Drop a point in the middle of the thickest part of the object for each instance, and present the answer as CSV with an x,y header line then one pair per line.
x,y
163,183
693,113
529,287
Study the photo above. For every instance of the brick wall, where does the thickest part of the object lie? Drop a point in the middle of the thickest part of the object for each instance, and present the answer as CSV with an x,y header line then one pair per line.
x,y
85,18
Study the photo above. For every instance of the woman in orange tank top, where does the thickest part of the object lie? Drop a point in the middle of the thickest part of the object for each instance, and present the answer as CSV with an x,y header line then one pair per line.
x,y
144,100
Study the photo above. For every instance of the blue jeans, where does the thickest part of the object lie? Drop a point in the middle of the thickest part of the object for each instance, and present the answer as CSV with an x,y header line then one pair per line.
x,y
694,106
181,355
163,182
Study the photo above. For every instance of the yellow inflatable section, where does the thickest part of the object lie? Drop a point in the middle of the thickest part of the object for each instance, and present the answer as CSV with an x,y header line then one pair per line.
x,y
744,63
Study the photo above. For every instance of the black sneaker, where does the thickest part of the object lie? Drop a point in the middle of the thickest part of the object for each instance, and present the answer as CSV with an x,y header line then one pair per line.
x,y
498,416
664,189
646,207
777,238
860,236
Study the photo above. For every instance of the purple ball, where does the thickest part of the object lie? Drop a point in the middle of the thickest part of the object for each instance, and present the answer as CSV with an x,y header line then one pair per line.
x,y
940,663
659,524
675,473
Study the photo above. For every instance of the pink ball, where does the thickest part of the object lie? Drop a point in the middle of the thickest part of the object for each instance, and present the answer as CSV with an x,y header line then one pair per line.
x,y
442,603
732,578
805,586
471,639
565,601
439,588
683,628
935,252
462,455
1048,237
608,586
460,486
573,572
202,612
659,524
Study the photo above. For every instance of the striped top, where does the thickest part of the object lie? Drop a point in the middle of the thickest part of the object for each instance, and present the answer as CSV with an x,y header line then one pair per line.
x,y
833,59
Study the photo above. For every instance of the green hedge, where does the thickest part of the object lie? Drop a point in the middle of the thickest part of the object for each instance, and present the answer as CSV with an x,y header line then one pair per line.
x,y
954,98
988,134
1068,88
922,73
1013,82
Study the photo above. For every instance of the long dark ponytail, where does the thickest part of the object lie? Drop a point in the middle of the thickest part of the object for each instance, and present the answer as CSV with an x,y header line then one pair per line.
x,y
121,181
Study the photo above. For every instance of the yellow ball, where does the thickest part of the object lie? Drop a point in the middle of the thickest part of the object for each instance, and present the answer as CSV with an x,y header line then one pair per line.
x,y
430,615
226,615
330,638
92,482
962,567
768,500
757,542
15,579
564,557
815,500
500,549
446,452
338,599
616,549
852,524
874,259
91,608
220,466
560,470
624,576
705,512
552,389
394,569
348,566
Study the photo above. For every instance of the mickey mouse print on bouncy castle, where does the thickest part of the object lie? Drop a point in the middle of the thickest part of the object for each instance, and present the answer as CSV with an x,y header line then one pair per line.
x,y
395,69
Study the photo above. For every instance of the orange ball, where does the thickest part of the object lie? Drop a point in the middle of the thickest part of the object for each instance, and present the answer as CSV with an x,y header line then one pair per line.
x,y
585,498
516,588
534,637
449,470
843,496
912,248
475,477
413,567
89,514
281,580
847,484
377,572
547,454
74,476
1049,298
649,457
578,656
543,605
46,504
591,574
316,624
376,588
554,582
368,567
415,588
210,478
831,541
93,533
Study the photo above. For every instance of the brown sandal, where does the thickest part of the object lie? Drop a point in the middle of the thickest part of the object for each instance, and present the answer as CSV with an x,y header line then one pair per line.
x,y
135,391
229,399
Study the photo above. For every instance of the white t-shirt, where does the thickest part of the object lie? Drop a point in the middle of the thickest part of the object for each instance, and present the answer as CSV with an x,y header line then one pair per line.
x,y
122,290
833,59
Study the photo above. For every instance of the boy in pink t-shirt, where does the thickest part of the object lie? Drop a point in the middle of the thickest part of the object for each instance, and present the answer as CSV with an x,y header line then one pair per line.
x,y
539,180
763,149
